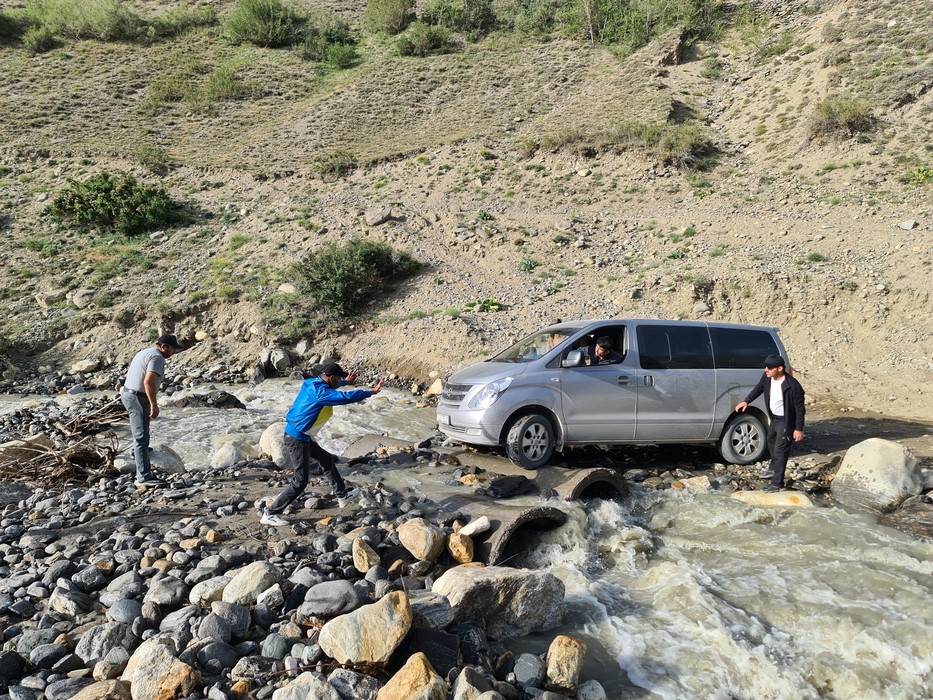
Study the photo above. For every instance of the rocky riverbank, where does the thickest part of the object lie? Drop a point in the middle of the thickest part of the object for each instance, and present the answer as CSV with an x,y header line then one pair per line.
x,y
108,590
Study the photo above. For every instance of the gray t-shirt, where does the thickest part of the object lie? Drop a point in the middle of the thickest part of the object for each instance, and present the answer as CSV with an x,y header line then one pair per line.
x,y
148,360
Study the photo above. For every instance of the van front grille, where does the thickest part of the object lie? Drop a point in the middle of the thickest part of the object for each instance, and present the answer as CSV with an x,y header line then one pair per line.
x,y
455,393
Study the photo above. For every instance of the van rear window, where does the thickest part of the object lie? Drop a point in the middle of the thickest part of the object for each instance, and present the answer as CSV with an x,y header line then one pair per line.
x,y
739,348
674,347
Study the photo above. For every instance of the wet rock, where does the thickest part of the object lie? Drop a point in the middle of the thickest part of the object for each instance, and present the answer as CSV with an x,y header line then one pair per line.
x,y
529,670
166,461
512,602
913,518
416,679
877,475
564,663
369,635
213,399
777,499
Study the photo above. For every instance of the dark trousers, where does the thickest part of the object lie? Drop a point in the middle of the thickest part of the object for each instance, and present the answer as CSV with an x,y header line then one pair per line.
x,y
138,408
779,446
301,454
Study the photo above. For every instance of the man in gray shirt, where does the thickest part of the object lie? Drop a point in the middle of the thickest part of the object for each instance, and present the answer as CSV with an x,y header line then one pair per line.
x,y
139,397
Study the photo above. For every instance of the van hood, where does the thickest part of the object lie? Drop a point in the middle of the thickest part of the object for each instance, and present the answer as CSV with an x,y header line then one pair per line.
x,y
485,372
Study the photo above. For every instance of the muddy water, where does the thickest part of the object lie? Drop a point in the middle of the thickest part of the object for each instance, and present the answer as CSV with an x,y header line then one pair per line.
x,y
680,595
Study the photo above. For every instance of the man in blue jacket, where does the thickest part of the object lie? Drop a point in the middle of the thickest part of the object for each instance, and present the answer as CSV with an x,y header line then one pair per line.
x,y
313,406
784,402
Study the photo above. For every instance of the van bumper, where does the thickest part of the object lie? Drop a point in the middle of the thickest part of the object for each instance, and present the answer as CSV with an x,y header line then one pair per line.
x,y
471,427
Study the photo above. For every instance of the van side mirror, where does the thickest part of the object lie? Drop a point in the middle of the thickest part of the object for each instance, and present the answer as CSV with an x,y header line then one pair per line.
x,y
574,359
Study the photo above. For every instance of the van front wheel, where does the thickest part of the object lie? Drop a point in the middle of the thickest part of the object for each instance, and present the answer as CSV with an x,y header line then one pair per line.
x,y
530,442
744,440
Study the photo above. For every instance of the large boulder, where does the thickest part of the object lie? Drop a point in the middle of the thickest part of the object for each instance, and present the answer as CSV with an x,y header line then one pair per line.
x,y
231,453
246,584
367,637
272,443
565,659
877,475
154,672
424,540
166,460
511,602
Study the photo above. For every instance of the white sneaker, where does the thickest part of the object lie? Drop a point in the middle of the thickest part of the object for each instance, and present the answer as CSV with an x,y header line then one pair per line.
x,y
272,519
348,497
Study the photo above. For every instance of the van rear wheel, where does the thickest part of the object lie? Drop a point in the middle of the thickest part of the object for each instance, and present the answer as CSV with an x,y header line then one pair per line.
x,y
744,440
530,442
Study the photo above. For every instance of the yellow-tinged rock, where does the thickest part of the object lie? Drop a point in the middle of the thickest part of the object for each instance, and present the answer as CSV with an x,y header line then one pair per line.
x,y
564,663
470,480
776,499
213,537
460,548
240,689
191,543
364,556
416,680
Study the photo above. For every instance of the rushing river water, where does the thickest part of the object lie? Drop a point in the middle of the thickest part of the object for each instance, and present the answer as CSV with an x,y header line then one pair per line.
x,y
679,594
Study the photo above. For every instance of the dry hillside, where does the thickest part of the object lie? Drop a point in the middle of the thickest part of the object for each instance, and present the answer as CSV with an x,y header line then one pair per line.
x,y
512,174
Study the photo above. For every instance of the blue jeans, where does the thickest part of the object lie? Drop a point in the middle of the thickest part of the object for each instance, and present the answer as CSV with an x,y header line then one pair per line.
x,y
139,409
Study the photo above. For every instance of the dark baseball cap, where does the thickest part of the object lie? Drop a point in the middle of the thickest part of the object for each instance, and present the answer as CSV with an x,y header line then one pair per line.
x,y
170,340
773,361
332,369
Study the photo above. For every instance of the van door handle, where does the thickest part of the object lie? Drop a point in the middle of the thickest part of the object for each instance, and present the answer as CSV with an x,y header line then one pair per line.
x,y
624,380
649,380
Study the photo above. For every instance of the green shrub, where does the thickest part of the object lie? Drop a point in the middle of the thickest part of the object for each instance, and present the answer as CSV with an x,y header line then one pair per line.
x,y
266,23
536,18
391,16
342,280
105,20
38,40
528,264
154,159
223,84
842,114
475,17
334,165
424,39
921,175
114,202
179,20
631,25
341,56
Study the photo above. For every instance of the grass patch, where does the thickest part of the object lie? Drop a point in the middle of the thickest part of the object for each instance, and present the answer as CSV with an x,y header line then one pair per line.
x,y
841,115
335,165
422,39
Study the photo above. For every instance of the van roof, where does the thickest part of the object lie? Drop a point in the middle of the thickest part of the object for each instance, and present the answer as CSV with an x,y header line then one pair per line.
x,y
584,323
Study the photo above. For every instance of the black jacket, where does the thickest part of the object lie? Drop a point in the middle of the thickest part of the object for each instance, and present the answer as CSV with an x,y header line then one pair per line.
x,y
794,410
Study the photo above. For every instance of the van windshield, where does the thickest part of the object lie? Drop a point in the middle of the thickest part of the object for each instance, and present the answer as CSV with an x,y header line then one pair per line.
x,y
534,346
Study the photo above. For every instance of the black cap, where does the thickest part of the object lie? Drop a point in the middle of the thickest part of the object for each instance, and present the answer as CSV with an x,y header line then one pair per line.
x,y
773,361
332,369
170,340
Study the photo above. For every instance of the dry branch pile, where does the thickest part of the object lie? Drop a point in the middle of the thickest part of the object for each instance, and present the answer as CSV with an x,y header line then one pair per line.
x,y
78,454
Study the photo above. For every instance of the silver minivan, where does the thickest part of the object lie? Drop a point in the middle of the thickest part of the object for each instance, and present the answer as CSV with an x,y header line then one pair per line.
x,y
669,382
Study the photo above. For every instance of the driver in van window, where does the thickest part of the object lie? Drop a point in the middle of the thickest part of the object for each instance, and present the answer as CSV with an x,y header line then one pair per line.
x,y
603,354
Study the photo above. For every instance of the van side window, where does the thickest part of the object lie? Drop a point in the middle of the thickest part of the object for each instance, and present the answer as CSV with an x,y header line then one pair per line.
x,y
739,348
674,347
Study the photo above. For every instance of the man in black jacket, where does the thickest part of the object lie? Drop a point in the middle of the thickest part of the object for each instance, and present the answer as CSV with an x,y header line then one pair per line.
x,y
784,401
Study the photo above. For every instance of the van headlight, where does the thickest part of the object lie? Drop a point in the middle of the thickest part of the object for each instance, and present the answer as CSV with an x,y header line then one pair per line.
x,y
487,396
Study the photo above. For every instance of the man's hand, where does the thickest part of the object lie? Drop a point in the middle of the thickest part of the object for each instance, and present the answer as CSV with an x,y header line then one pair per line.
x,y
798,435
154,411
378,387
350,378
740,407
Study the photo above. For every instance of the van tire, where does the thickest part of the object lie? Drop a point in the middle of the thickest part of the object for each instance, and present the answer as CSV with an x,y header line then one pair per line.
x,y
744,440
530,442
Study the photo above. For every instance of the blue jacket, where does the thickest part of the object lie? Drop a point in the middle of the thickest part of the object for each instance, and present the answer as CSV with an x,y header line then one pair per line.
x,y
314,405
